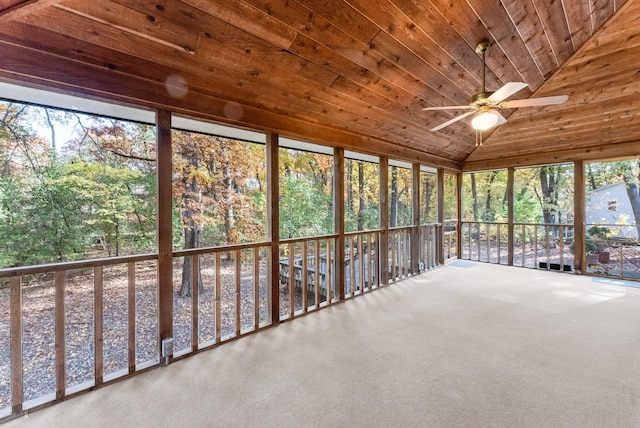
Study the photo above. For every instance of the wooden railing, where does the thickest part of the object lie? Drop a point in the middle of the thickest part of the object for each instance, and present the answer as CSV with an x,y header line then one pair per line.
x,y
59,343
307,276
535,245
428,235
362,265
74,326
399,253
614,252
233,297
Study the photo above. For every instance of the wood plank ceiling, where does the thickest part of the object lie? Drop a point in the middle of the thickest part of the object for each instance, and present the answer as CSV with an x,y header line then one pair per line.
x,y
352,73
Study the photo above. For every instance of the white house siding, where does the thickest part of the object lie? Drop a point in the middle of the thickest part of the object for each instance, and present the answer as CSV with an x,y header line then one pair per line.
x,y
611,205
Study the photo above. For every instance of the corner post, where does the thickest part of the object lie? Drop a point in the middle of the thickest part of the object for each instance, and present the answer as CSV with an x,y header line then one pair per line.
x,y
338,219
273,227
579,217
164,226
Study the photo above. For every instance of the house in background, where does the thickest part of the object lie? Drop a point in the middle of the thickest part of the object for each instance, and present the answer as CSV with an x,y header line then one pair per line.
x,y
610,204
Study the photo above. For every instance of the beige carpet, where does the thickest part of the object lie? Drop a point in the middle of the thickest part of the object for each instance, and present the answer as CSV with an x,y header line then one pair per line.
x,y
485,346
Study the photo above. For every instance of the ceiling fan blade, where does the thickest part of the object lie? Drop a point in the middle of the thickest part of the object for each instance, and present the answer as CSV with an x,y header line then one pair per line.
x,y
454,120
501,119
531,102
448,108
506,91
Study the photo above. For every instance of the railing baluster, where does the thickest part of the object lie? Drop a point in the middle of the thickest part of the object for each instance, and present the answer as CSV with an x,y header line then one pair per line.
x,y
237,255
131,315
561,247
98,308
292,275
60,336
329,272
535,246
547,245
218,300
317,284
256,288
392,236
195,291
352,271
305,295
524,241
498,242
15,303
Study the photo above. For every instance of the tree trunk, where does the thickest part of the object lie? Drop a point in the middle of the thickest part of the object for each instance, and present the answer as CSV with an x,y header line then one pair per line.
x,y
361,196
548,184
393,200
191,205
227,199
428,192
474,196
633,192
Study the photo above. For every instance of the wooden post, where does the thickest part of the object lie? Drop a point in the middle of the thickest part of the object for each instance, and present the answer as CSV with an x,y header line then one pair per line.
x,y
579,217
338,219
164,218
510,216
415,231
440,211
273,229
459,191
384,220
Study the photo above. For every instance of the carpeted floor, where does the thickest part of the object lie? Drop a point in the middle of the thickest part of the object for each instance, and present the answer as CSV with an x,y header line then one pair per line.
x,y
480,346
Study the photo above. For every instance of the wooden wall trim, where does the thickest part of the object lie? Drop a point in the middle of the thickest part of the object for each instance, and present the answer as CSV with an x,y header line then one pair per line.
x,y
164,174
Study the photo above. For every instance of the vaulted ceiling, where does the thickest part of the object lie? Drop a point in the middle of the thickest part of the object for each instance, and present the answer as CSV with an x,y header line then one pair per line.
x,y
352,73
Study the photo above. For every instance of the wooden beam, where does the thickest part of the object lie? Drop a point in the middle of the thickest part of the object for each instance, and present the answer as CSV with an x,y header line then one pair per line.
x,y
384,220
622,150
338,222
164,174
579,217
25,65
24,8
273,228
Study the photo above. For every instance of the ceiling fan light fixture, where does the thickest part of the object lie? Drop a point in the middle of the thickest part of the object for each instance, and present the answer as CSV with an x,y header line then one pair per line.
x,y
484,120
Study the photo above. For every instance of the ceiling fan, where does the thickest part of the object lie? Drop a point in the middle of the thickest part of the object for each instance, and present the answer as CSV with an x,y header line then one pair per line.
x,y
486,104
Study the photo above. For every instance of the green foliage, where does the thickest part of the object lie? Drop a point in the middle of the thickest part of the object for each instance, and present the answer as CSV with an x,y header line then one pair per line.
x,y
304,209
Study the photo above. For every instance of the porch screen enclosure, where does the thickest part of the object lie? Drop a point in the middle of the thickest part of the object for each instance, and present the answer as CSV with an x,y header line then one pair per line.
x,y
121,230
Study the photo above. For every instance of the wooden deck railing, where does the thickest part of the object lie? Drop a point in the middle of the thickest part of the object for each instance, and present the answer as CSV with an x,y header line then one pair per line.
x,y
57,331
74,326
535,245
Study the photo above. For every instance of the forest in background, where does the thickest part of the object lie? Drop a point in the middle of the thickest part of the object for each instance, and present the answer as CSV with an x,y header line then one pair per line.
x,y
75,186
